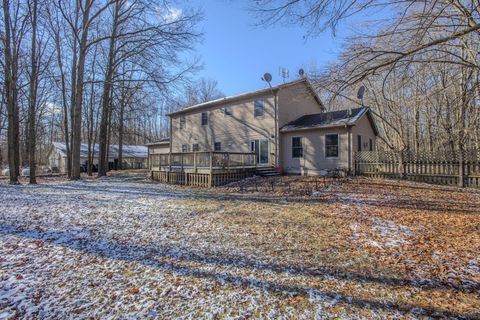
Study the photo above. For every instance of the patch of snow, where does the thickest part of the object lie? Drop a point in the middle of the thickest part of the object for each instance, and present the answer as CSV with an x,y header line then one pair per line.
x,y
120,248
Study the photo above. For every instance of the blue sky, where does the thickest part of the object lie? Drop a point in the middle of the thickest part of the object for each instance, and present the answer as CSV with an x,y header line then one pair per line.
x,y
237,53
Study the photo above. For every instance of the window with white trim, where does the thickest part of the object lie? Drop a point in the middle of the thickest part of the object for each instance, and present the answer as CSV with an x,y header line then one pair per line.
x,y
331,146
204,118
297,147
258,108
182,122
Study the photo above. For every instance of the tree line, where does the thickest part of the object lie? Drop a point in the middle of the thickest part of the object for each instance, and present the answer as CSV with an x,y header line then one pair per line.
x,y
418,60
108,71
89,71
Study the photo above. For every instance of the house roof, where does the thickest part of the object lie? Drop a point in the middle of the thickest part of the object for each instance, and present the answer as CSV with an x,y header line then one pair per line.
x,y
164,141
128,151
329,119
246,95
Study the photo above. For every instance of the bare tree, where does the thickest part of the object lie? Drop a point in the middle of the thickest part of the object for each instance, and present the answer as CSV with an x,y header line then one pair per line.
x,y
199,91
144,43
138,47
14,25
423,26
33,89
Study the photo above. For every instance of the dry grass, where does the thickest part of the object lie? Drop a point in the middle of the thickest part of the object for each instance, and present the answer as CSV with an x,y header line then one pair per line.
x,y
382,243
359,248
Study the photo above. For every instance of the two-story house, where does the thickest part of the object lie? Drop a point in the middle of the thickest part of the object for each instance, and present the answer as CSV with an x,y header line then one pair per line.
x,y
285,126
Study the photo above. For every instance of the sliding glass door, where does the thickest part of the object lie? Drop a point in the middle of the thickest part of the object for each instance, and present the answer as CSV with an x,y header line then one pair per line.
x,y
260,148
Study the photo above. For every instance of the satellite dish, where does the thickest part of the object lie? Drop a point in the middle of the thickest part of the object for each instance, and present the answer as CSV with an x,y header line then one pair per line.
x,y
361,92
301,72
267,77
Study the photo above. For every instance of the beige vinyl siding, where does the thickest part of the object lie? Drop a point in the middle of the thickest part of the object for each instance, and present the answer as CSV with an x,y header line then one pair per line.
x,y
234,131
296,101
157,149
364,129
293,102
314,159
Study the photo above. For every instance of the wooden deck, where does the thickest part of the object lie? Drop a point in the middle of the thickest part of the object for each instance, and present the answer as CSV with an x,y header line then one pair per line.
x,y
202,169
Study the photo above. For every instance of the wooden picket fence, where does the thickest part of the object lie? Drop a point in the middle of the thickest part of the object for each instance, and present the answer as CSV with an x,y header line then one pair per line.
x,y
438,168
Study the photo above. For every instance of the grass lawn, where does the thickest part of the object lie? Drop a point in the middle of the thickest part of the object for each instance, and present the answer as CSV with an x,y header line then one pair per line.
x,y
123,247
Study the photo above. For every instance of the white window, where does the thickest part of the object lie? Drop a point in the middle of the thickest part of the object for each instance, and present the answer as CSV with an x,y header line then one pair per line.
x,y
331,146
182,122
258,108
204,118
297,147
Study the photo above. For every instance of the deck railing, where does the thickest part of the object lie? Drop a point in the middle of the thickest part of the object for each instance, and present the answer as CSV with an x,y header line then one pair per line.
x,y
202,160
202,169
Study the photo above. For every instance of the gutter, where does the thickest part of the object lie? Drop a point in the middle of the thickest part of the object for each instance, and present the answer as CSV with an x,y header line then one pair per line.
x,y
246,95
317,128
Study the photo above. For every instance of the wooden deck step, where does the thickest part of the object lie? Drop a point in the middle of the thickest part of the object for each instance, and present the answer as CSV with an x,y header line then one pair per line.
x,y
267,172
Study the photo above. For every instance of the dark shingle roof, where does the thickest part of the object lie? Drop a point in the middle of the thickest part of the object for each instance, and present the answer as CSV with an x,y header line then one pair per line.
x,y
326,119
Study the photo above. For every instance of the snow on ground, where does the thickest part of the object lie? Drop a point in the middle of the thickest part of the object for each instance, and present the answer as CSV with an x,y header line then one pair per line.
x,y
122,247
113,247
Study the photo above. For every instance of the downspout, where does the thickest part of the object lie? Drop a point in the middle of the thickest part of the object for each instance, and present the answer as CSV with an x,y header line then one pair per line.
x,y
276,129
275,103
170,134
349,138
349,128
170,153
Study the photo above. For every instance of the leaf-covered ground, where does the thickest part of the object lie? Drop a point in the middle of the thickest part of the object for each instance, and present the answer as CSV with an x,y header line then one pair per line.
x,y
125,248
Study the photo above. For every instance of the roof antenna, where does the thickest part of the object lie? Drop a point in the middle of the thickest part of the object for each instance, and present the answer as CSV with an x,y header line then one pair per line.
x,y
284,73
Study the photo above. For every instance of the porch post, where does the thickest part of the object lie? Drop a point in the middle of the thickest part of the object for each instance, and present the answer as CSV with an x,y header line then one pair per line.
x,y
210,180
195,162
169,166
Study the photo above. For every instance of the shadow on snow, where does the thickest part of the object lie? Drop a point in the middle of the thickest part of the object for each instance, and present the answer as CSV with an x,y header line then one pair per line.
x,y
152,255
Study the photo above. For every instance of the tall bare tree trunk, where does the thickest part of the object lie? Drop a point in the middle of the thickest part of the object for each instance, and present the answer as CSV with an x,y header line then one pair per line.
x,y
32,105
106,103
11,92
90,118
77,106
